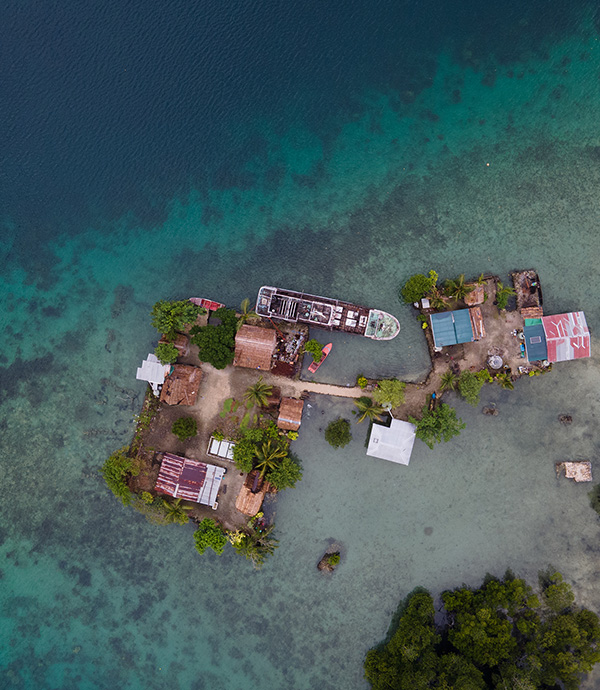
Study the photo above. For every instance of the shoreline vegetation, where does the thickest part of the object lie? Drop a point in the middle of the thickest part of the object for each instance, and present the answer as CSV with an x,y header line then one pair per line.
x,y
239,407
502,635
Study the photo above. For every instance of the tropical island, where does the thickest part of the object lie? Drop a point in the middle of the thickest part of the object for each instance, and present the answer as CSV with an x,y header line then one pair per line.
x,y
225,394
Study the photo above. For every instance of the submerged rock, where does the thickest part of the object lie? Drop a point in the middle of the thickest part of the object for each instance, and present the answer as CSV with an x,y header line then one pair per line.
x,y
565,419
492,411
329,562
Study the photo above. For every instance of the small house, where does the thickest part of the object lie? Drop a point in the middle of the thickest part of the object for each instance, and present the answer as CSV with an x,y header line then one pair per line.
x,y
153,372
181,385
254,347
459,326
393,443
567,336
290,414
189,480
252,494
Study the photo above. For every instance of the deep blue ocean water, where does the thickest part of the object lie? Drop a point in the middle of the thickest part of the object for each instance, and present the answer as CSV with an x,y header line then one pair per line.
x,y
160,150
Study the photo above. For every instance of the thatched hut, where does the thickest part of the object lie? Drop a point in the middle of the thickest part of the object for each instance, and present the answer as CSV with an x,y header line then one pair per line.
x,y
254,347
249,502
181,385
290,414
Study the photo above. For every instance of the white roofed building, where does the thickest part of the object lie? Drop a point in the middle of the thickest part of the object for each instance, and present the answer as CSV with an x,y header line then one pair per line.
x,y
393,443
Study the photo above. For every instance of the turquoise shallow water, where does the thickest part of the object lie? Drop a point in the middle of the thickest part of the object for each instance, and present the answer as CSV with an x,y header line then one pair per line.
x,y
95,597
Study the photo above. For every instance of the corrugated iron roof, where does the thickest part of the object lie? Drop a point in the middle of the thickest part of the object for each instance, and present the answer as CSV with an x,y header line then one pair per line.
x,y
452,327
567,336
190,480
535,340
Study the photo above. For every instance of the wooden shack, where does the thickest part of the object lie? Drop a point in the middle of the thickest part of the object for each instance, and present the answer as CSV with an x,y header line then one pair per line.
x,y
254,347
249,502
290,414
181,385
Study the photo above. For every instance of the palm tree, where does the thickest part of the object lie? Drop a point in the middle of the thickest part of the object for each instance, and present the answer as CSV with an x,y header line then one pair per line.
x,y
267,456
259,393
174,513
457,288
449,381
367,408
505,380
503,292
437,300
257,545
245,313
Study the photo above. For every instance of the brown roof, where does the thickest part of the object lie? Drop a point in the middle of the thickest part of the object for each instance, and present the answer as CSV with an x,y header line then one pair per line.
x,y
532,312
290,414
254,347
477,322
476,296
181,385
181,342
250,503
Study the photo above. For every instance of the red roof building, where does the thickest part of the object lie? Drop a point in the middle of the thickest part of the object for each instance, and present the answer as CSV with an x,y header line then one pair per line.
x,y
190,480
567,336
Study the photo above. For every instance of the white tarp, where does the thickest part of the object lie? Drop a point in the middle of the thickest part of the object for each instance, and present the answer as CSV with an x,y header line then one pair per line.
x,y
220,449
394,443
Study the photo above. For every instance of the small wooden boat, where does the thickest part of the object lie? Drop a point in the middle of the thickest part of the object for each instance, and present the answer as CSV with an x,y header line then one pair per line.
x,y
207,304
324,353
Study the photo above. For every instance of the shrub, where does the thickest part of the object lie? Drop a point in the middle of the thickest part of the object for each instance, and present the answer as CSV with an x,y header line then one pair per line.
x,y
292,435
218,435
116,470
337,433
469,386
362,382
418,286
209,535
314,348
184,428
167,353
334,559
390,392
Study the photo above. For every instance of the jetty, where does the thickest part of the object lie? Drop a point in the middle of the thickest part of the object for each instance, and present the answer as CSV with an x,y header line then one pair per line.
x,y
323,312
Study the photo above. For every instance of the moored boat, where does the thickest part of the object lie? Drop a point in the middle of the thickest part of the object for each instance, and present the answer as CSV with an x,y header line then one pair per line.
x,y
324,354
207,304
323,312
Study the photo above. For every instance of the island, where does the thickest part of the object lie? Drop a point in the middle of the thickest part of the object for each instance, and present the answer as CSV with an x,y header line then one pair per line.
x,y
213,442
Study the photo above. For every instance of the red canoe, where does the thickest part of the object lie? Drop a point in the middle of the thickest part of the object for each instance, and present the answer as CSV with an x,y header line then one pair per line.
x,y
324,352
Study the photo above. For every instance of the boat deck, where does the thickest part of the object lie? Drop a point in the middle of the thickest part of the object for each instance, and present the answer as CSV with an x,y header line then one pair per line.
x,y
326,313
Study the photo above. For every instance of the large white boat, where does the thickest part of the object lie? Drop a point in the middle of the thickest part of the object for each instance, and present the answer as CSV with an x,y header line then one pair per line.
x,y
323,312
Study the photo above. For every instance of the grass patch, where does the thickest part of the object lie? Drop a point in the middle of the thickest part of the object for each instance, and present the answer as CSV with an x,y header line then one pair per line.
x,y
245,421
236,404
227,405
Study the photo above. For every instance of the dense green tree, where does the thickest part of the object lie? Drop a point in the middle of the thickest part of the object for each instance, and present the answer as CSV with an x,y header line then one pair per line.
x,y
167,353
315,349
258,393
285,474
116,470
497,636
170,317
184,428
245,313
469,386
367,409
418,286
389,392
216,342
209,535
244,454
338,434
437,425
